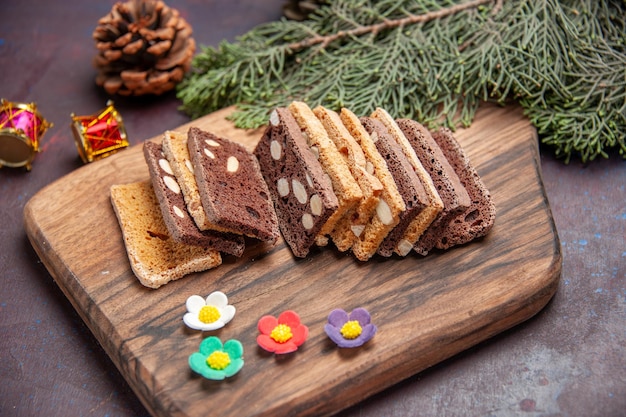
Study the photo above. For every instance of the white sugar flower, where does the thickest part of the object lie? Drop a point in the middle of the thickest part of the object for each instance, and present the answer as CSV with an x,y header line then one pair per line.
x,y
210,314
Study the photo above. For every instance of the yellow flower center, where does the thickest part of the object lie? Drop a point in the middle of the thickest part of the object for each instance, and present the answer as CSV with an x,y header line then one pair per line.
x,y
218,360
209,314
351,330
281,333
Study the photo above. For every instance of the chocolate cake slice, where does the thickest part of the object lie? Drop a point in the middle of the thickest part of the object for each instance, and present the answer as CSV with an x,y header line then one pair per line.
x,y
179,223
344,185
407,182
302,193
453,194
479,218
177,153
233,192
434,204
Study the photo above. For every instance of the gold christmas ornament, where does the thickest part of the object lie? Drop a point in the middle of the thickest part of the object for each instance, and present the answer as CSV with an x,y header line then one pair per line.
x,y
145,47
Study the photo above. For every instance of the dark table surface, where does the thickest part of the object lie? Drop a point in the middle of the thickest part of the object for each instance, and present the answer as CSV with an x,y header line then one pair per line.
x,y
569,360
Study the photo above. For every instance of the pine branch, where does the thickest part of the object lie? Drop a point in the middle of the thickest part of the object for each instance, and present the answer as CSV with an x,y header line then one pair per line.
x,y
435,61
374,29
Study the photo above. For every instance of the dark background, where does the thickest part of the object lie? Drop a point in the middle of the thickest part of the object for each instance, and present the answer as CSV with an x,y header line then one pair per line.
x,y
569,360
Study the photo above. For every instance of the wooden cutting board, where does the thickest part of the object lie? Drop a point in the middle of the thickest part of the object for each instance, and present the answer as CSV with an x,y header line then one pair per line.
x,y
426,308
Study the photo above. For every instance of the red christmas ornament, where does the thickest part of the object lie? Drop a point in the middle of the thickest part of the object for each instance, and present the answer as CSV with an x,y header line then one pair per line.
x,y
21,128
99,135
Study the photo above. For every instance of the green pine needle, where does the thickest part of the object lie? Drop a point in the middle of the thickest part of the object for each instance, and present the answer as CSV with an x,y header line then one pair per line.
x,y
434,61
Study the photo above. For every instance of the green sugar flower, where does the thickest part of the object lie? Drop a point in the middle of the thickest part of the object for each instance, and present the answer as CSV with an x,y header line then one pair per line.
x,y
216,361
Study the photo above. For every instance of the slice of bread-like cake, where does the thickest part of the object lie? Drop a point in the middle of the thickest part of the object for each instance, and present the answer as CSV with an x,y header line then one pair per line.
x,y
453,194
390,203
479,218
174,210
434,205
350,227
302,193
177,153
409,185
345,187
155,257
233,192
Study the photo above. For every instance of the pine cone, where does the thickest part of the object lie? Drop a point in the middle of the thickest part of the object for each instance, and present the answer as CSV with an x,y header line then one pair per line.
x,y
144,46
300,10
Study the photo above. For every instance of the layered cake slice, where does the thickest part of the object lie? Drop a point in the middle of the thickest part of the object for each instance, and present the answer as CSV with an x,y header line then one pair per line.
x,y
409,185
390,203
453,194
479,218
155,257
233,192
177,153
174,210
434,204
351,226
344,185
302,193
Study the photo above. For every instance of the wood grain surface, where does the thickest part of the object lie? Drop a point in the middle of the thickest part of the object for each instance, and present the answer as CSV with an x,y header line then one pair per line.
x,y
426,308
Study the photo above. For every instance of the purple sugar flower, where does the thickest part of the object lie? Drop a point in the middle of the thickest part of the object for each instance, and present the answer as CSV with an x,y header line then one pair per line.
x,y
350,331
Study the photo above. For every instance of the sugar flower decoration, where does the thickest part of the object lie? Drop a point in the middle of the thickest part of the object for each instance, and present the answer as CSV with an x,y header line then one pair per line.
x,y
216,361
283,334
210,314
350,331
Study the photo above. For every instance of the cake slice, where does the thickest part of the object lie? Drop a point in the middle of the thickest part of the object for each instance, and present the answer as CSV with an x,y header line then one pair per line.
x,y
409,185
301,191
174,210
453,194
390,203
155,257
434,204
177,153
232,190
344,185
351,226
479,218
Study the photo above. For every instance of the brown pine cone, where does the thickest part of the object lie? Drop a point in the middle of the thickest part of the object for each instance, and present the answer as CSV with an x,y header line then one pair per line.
x,y
144,46
300,10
